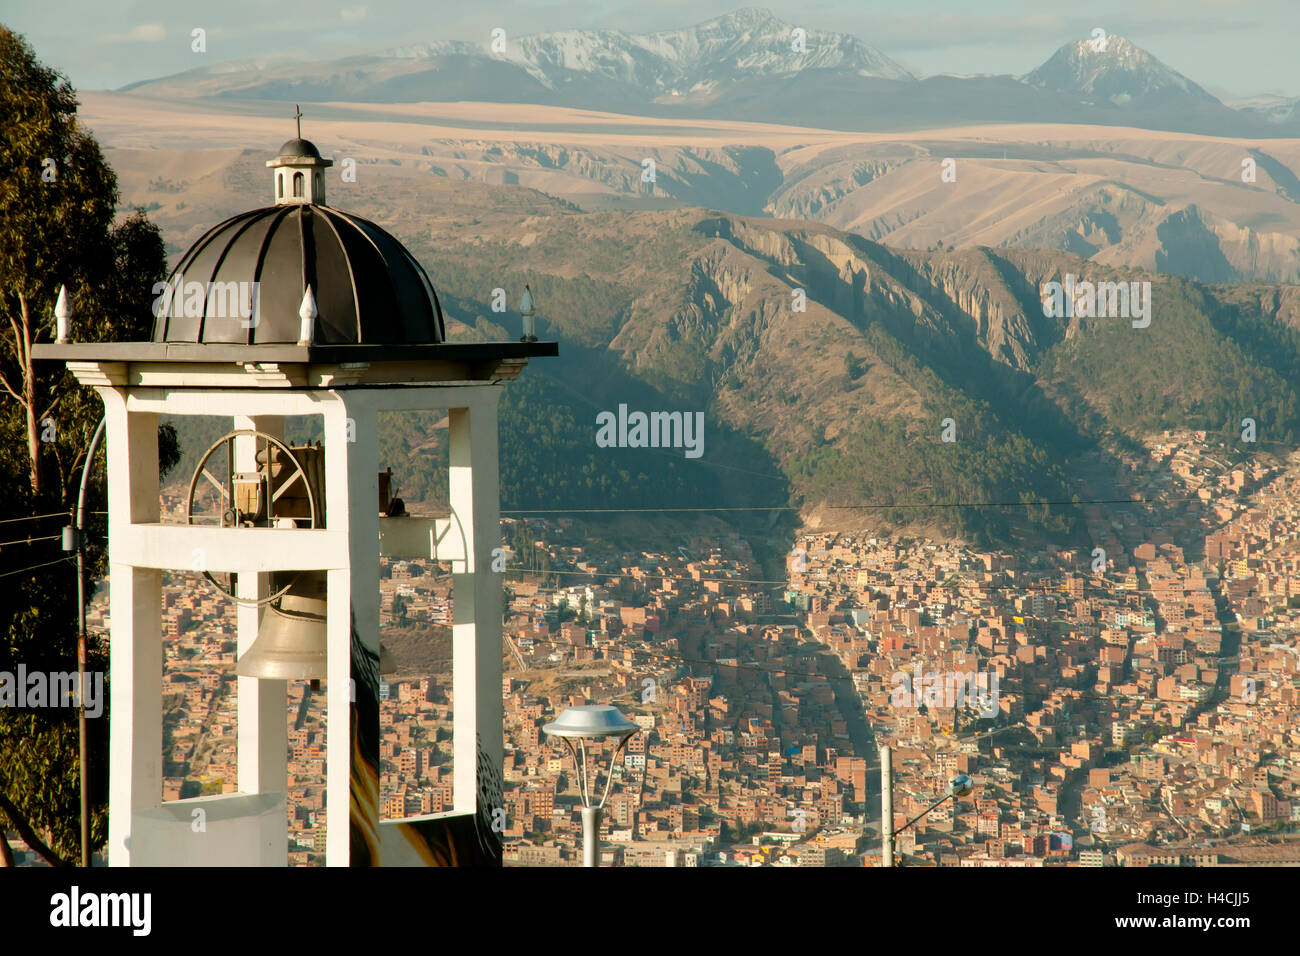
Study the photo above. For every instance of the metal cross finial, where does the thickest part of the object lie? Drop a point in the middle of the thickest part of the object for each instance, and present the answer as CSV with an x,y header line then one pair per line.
x,y
297,116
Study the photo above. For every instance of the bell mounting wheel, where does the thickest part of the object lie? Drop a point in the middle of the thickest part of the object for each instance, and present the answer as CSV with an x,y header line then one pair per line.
x,y
274,491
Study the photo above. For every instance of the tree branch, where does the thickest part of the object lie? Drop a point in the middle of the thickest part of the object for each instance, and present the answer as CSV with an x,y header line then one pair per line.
x,y
18,335
4,380
18,340
28,834
50,408
27,320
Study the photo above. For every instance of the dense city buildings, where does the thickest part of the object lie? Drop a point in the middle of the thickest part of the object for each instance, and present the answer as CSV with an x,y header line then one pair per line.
x,y
1132,705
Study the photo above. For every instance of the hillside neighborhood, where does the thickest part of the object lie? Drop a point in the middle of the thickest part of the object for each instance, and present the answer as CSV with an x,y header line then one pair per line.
x,y
1131,715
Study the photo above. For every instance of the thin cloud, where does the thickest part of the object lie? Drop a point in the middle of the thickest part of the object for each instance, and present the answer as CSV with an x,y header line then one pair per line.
x,y
144,33
947,31
354,14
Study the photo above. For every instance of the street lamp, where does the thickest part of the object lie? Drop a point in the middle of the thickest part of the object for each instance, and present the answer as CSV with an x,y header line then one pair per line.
x,y
74,539
958,786
593,722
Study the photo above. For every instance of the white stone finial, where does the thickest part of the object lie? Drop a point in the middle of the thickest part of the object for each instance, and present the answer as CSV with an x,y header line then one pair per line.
x,y
526,311
62,316
307,312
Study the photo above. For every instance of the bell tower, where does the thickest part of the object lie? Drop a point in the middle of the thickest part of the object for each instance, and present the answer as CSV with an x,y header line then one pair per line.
x,y
344,327
299,171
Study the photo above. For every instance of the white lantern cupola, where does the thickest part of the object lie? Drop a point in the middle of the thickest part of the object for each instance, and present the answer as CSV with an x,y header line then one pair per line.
x,y
299,171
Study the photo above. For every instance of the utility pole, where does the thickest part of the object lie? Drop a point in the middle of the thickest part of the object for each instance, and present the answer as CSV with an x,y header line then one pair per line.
x,y
886,806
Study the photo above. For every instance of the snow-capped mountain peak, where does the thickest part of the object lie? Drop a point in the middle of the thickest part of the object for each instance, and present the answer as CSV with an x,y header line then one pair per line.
x,y
1112,69
746,43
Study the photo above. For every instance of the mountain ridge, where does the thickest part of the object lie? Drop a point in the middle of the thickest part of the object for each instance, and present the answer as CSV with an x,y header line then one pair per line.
x,y
847,398
827,365
747,64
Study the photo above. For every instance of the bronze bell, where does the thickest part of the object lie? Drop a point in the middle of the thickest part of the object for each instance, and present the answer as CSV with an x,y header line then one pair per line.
x,y
291,643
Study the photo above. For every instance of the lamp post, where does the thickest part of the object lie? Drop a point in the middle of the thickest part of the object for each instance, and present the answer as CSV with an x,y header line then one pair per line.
x,y
958,786
74,539
593,722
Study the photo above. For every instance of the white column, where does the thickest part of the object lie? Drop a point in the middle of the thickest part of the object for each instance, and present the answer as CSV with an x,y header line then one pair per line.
x,y
135,723
476,628
263,740
352,506
135,642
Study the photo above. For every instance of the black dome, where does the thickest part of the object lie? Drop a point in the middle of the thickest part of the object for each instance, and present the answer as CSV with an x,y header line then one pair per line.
x,y
368,288
300,147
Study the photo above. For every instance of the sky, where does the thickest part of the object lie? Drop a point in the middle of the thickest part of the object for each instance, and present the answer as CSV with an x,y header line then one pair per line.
x,y
1231,47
